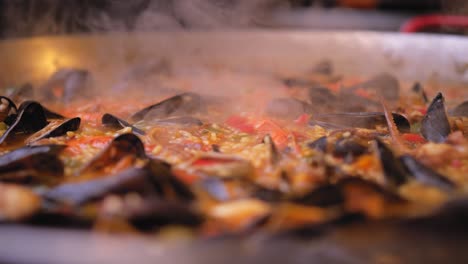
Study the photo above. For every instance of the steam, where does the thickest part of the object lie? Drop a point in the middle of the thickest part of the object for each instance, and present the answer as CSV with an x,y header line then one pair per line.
x,y
51,17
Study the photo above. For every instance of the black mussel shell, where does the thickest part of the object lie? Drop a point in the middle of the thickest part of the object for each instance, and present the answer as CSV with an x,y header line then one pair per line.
x,y
167,185
181,104
460,110
56,129
120,147
359,119
129,180
23,152
394,171
384,84
418,89
31,118
118,123
288,108
324,67
23,92
435,125
426,175
72,82
8,110
36,167
154,213
319,144
51,114
180,120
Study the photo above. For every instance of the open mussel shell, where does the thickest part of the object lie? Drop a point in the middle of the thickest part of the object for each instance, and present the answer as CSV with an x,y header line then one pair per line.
x,y
435,125
31,118
181,104
426,175
23,152
287,108
320,144
419,90
394,171
22,92
322,196
125,145
129,180
35,165
384,84
55,129
8,110
51,114
360,120
71,84
166,184
180,121
112,121
152,213
460,110
349,148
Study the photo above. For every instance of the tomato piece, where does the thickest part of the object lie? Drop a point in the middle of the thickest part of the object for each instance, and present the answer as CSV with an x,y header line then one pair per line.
x,y
278,134
413,138
240,123
302,119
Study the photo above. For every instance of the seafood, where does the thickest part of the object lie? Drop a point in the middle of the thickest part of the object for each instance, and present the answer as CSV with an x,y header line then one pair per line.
x,y
435,126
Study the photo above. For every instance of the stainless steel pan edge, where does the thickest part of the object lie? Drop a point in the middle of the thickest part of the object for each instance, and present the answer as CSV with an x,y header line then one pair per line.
x,y
410,57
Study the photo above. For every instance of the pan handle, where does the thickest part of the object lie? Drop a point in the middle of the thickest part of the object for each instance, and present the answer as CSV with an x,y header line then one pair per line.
x,y
418,23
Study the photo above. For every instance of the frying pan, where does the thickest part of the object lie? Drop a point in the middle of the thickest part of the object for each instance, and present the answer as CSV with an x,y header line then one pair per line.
x,y
409,57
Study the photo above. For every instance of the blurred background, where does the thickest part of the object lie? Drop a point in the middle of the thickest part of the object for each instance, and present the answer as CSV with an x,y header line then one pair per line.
x,y
24,18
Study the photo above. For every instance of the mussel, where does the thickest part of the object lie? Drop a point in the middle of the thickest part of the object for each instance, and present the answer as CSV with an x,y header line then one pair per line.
x,y
129,180
37,164
180,120
359,119
394,171
426,175
152,213
384,84
324,67
67,84
8,110
55,129
435,126
319,144
166,184
181,104
31,118
460,110
288,108
349,148
126,148
22,92
118,123
419,90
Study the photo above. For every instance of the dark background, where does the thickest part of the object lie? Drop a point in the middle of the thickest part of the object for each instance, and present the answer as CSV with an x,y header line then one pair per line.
x,y
24,18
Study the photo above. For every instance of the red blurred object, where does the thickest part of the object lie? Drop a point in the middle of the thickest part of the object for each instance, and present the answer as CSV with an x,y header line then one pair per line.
x,y
419,23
